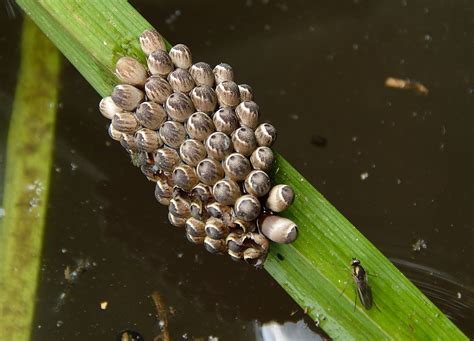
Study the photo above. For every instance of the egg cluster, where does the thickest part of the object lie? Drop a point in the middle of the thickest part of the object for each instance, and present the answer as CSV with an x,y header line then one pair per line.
x,y
195,132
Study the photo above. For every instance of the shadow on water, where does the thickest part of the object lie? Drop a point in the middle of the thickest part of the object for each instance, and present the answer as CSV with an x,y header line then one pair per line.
x,y
394,163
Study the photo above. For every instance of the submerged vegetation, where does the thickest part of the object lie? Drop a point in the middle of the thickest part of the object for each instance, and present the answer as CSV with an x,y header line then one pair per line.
x,y
28,167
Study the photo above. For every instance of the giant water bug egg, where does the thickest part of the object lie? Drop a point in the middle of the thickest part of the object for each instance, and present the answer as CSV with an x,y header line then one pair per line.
x,y
129,143
180,207
218,145
179,107
204,98
244,226
165,201
280,198
216,229
125,122
108,108
192,152
163,187
131,71
247,113
172,133
195,227
151,115
114,133
236,166
257,183
279,229
236,256
159,63
202,74
265,134
202,192
218,210
197,210
181,56
166,159
150,171
199,126
234,242
209,171
254,256
195,240
127,96
226,191
185,177
244,141
223,72
247,207
225,120
246,92
228,94
148,140
262,158
157,89
215,245
181,81
176,221
151,40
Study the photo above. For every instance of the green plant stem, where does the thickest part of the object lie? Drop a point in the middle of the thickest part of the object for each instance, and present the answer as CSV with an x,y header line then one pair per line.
x,y
28,167
314,269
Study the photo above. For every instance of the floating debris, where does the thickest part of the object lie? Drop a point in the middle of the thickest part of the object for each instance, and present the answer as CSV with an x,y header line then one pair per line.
x,y
364,176
406,84
71,276
419,244
129,335
162,312
82,265
104,305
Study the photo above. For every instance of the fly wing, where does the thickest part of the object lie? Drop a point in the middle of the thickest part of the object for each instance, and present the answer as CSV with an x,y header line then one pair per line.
x,y
365,293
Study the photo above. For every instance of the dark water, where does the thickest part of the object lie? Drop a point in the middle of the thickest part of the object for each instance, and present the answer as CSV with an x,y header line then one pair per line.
x,y
398,165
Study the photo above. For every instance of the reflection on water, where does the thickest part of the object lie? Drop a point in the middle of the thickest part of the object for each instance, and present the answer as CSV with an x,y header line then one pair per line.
x,y
273,331
448,293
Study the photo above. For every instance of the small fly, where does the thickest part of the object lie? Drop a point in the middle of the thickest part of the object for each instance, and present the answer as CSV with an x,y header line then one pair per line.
x,y
359,275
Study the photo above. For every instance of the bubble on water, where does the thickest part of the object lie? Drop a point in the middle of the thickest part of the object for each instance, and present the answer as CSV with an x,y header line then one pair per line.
x,y
364,176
